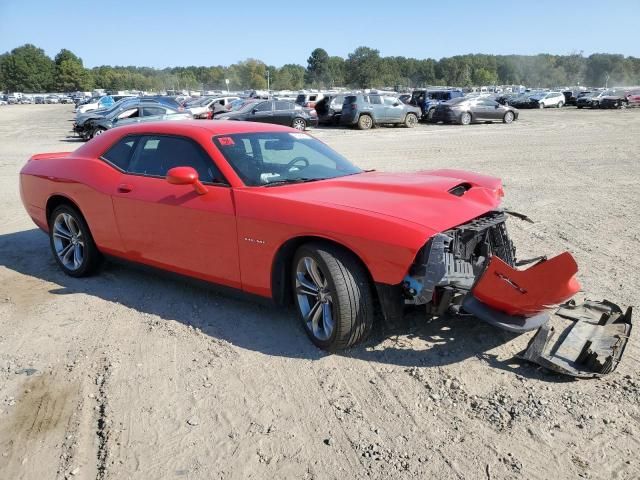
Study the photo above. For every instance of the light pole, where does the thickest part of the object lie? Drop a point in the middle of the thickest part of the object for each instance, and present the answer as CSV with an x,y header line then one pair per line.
x,y
606,79
268,80
226,80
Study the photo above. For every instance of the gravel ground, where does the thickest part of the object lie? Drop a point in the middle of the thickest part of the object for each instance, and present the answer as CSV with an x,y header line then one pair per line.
x,y
131,375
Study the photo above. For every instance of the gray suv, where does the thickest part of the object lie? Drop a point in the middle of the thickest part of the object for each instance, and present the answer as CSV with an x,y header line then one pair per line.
x,y
368,110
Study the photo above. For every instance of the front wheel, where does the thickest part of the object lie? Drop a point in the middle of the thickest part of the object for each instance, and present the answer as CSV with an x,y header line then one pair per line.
x,y
560,105
411,120
541,105
333,295
98,131
71,242
299,124
508,117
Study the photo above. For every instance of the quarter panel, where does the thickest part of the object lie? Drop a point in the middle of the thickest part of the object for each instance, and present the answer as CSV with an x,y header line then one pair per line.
x,y
86,182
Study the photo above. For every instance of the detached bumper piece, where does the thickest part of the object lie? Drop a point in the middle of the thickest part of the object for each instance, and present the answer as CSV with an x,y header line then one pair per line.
x,y
583,341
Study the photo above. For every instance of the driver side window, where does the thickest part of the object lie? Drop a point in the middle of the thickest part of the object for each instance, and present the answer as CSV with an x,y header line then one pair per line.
x,y
155,155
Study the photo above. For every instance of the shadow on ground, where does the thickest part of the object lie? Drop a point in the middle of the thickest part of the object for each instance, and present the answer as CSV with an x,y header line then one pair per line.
x,y
253,325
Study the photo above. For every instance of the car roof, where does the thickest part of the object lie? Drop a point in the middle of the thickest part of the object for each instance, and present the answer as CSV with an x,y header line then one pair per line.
x,y
214,127
197,129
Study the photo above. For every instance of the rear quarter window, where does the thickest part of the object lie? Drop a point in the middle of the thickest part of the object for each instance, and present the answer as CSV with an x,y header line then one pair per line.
x,y
120,153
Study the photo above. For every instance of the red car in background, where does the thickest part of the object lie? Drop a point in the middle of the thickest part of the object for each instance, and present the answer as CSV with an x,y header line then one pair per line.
x,y
633,98
276,213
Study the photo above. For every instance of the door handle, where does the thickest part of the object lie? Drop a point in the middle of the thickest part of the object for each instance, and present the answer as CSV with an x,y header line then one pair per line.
x,y
124,188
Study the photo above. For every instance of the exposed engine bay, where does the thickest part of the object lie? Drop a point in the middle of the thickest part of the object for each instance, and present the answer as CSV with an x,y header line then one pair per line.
x,y
472,269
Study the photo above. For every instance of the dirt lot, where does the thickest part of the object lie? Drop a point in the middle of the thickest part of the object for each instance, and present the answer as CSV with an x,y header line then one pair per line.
x,y
131,375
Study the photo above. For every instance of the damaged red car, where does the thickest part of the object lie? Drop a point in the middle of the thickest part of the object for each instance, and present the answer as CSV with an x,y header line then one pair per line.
x,y
276,213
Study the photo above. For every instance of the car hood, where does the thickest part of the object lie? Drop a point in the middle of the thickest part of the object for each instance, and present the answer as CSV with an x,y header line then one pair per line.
x,y
421,198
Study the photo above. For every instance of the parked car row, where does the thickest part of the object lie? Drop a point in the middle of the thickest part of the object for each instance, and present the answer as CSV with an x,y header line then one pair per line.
x,y
360,110
579,98
125,111
15,99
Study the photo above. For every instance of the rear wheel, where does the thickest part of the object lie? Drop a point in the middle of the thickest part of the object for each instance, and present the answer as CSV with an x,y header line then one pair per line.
x,y
430,114
71,242
333,296
465,118
411,120
508,117
540,105
560,104
299,123
365,122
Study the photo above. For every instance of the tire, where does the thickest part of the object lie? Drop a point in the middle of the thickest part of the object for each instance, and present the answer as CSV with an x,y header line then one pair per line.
x,y
560,104
508,117
411,120
540,105
97,131
579,107
465,118
365,122
68,232
344,295
299,124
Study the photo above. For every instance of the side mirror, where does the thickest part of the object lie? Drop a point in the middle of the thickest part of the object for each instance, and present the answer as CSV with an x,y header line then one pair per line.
x,y
396,104
186,176
254,111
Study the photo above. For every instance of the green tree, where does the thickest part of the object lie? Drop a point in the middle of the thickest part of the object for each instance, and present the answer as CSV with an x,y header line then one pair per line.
x,y
362,67
27,69
336,66
70,74
318,74
483,76
252,73
288,77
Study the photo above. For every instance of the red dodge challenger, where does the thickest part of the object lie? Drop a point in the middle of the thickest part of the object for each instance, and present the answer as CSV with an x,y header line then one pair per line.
x,y
274,212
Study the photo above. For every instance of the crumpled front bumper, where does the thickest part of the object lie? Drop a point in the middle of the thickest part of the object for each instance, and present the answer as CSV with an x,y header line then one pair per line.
x,y
472,268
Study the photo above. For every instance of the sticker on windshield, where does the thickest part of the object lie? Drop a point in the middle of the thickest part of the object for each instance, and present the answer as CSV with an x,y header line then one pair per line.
x,y
226,141
300,136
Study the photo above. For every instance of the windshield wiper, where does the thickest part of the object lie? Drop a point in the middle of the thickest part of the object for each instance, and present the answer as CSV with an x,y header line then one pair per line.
x,y
288,181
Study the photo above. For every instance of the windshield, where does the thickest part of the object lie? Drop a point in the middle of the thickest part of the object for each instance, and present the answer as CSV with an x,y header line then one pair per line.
x,y
280,157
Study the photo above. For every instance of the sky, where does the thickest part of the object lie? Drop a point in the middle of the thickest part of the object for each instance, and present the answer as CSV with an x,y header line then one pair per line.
x,y
164,33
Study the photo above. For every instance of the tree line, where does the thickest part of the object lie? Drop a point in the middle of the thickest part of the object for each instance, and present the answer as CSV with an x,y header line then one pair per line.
x,y
28,69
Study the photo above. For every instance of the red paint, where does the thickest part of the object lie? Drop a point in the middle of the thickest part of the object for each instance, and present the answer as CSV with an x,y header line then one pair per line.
x,y
230,234
528,292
